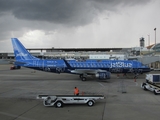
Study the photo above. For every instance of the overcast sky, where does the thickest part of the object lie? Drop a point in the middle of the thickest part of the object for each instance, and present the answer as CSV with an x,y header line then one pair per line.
x,y
78,23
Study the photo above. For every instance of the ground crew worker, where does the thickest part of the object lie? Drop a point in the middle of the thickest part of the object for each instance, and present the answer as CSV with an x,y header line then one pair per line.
x,y
76,91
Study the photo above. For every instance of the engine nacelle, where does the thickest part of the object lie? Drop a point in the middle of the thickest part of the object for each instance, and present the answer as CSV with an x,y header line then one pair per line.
x,y
103,75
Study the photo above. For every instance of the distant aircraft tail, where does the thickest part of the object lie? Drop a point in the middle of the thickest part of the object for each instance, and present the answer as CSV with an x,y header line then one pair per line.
x,y
20,51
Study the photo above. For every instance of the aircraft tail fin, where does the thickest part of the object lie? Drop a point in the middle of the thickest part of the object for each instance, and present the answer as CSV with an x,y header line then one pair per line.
x,y
20,51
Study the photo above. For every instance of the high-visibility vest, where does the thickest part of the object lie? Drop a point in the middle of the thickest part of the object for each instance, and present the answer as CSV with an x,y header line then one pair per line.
x,y
76,91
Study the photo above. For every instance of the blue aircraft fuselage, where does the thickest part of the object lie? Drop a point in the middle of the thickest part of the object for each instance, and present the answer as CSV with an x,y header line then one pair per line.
x,y
99,68
58,65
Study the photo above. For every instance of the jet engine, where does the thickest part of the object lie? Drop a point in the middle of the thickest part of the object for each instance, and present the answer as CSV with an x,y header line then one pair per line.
x,y
103,75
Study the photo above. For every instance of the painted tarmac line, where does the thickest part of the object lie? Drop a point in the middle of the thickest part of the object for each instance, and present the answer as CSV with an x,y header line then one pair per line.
x,y
101,84
15,116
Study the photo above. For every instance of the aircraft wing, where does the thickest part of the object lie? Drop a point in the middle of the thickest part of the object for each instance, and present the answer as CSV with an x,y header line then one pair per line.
x,y
101,74
87,71
83,71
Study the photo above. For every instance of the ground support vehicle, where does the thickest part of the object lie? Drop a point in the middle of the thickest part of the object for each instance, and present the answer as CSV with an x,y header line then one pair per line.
x,y
152,83
60,100
15,67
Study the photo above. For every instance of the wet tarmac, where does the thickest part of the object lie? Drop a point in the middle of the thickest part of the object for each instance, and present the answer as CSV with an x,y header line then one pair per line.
x,y
125,99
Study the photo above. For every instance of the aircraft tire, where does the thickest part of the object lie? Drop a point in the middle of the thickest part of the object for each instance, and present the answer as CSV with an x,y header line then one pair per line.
x,y
80,76
83,78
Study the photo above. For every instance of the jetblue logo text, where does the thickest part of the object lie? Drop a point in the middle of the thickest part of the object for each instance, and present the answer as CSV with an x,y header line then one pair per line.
x,y
121,64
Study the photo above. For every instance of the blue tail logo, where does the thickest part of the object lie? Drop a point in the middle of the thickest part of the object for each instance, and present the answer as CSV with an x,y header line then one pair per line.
x,y
20,51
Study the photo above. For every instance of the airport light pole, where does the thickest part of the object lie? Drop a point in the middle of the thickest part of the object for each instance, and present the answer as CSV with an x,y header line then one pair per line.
x,y
155,39
148,40
155,35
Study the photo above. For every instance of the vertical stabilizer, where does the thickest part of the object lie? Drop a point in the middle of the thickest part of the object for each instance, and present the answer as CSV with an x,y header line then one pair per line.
x,y
20,51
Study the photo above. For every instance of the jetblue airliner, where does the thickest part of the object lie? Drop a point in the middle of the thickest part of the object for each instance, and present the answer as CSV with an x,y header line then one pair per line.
x,y
101,69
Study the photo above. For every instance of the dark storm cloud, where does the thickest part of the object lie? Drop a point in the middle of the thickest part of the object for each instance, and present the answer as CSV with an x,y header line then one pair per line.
x,y
68,12
125,2
17,17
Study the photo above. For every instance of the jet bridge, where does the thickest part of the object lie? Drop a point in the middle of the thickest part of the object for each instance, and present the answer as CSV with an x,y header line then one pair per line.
x,y
148,59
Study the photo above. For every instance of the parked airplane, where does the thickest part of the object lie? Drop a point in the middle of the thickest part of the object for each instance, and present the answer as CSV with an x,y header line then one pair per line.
x,y
99,69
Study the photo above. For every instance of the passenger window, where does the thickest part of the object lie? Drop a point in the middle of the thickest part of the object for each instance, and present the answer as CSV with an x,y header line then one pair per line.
x,y
77,65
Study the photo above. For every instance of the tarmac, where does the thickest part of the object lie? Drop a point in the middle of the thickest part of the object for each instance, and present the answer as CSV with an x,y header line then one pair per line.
x,y
124,98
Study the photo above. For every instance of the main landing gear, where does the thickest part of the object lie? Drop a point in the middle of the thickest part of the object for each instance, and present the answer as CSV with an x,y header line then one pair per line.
x,y
82,77
136,76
